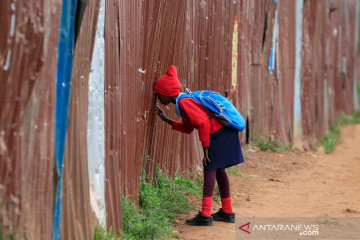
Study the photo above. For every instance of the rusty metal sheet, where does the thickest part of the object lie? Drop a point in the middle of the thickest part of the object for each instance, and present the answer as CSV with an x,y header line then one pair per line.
x,y
260,82
27,82
78,220
348,53
355,25
333,56
343,19
255,43
313,69
245,72
341,47
113,131
274,119
286,69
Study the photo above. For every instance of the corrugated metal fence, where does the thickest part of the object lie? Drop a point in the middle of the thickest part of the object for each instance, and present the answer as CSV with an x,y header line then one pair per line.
x,y
290,67
28,41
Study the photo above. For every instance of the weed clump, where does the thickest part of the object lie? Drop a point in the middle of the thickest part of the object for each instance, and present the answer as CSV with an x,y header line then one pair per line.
x,y
272,145
331,139
160,200
2,234
333,135
101,234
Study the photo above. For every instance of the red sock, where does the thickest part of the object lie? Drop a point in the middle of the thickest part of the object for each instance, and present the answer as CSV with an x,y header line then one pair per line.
x,y
226,205
206,206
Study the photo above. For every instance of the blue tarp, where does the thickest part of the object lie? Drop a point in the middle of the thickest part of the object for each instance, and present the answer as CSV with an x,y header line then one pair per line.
x,y
63,86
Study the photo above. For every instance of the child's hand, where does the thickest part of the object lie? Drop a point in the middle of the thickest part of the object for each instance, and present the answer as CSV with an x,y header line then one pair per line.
x,y
206,157
161,112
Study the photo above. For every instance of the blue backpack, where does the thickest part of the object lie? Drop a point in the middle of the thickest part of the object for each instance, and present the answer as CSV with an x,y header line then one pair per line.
x,y
223,110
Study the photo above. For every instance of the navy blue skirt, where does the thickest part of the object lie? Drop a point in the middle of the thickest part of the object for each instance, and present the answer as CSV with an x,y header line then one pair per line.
x,y
225,149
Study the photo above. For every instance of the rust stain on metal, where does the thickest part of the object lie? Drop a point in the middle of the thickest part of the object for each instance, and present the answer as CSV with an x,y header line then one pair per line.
x,y
27,63
286,65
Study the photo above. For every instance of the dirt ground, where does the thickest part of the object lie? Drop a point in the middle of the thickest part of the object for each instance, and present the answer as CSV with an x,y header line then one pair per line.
x,y
290,184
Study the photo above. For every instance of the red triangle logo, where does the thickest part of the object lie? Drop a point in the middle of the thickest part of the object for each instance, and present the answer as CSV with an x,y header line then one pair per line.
x,y
248,226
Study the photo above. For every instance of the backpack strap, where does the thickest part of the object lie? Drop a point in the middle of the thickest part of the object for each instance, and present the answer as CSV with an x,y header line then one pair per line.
x,y
177,106
188,93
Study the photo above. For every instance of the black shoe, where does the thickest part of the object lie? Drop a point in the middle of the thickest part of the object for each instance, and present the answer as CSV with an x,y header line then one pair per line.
x,y
225,217
200,220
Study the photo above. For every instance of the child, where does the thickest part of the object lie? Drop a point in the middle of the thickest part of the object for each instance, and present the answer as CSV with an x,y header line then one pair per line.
x,y
221,146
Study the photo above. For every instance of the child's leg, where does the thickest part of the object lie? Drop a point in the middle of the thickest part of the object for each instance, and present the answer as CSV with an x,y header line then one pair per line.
x,y
208,191
223,182
224,188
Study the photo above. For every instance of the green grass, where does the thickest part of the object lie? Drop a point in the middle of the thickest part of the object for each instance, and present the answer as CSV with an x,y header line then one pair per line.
x,y
272,145
101,234
146,159
358,92
160,200
333,135
331,139
2,237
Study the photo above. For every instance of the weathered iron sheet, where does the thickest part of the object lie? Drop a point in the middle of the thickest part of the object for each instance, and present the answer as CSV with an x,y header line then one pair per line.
x,y
78,220
355,24
313,60
348,51
113,131
343,21
333,52
286,65
28,41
